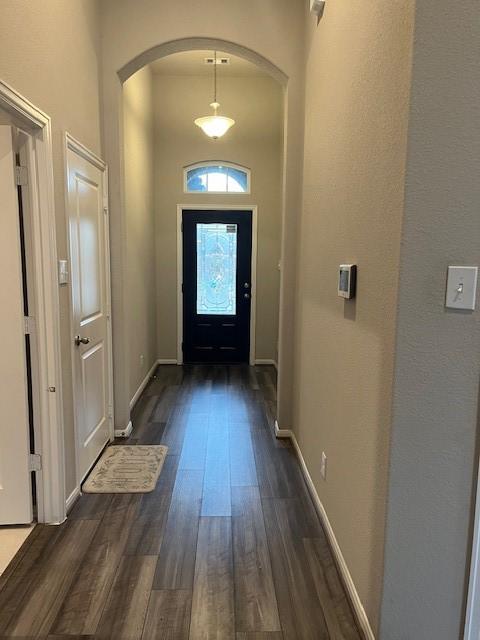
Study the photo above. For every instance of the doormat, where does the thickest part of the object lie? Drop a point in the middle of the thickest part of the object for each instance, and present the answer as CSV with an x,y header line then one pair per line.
x,y
126,469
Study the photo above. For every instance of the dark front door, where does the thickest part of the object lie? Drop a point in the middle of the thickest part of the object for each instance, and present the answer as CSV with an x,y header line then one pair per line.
x,y
217,272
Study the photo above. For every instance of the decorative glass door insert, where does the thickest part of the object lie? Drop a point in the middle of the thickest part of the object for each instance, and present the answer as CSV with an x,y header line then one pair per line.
x,y
216,269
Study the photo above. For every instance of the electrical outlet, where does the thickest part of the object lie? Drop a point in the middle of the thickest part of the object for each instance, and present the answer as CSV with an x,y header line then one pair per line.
x,y
142,360
323,466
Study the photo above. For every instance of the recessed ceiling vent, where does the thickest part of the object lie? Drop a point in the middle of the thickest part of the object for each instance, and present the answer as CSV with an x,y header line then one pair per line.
x,y
220,61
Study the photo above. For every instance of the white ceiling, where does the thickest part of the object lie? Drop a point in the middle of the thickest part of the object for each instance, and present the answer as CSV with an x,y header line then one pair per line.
x,y
192,63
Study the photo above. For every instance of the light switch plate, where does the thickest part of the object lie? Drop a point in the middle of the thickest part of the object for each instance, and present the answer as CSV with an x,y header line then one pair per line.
x,y
461,287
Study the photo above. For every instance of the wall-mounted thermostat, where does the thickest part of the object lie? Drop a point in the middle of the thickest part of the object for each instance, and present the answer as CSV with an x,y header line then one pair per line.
x,y
347,280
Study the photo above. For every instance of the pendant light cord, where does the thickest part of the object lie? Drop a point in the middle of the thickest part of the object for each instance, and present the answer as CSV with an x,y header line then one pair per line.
x,y
215,77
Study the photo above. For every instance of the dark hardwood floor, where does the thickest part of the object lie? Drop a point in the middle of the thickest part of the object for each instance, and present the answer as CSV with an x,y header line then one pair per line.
x,y
228,545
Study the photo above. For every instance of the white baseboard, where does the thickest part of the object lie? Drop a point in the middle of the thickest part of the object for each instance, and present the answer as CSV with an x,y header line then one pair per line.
x,y
355,601
124,433
266,361
282,433
72,498
143,384
146,380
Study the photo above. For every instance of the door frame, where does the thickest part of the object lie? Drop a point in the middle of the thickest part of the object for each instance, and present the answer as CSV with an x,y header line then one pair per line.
x,y
49,437
253,208
472,618
72,144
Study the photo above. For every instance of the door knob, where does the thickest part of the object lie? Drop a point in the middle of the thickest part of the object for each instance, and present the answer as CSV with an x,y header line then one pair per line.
x,y
79,340
246,295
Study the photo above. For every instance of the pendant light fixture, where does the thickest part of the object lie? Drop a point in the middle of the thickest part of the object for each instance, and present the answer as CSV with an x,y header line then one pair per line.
x,y
214,126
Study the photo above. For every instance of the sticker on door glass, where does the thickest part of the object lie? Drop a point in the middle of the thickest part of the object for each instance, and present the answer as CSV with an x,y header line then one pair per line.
x,y
216,269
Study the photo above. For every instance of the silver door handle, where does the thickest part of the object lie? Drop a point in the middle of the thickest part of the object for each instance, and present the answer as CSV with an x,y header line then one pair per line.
x,y
79,340
246,295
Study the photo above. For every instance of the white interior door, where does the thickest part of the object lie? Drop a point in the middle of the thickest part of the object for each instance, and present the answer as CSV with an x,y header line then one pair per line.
x,y
88,233
15,482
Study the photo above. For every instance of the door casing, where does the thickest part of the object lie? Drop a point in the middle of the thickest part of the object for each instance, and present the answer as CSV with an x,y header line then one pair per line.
x,y
77,147
15,432
49,438
472,621
215,207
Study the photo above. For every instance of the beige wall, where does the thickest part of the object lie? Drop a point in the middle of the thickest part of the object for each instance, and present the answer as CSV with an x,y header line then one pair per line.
x,y
435,428
357,96
255,142
49,53
140,225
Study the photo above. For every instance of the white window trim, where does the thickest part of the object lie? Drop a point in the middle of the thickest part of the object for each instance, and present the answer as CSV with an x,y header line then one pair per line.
x,y
217,163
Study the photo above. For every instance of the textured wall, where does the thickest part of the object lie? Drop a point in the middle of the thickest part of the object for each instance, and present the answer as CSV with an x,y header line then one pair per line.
x,y
140,225
435,419
255,142
357,96
49,53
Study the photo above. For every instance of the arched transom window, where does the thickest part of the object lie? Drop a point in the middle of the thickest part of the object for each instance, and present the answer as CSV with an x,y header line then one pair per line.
x,y
216,177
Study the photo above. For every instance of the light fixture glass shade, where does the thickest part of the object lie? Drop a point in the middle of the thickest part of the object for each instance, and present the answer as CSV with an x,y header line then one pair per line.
x,y
214,126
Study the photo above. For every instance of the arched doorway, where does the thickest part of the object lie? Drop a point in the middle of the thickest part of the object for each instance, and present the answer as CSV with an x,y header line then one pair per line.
x,y
290,201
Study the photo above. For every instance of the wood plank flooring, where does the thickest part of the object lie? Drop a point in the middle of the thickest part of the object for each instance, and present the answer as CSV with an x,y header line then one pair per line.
x,y
227,547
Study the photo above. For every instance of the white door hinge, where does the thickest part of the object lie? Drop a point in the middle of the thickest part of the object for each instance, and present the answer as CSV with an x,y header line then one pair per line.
x,y
21,176
29,324
35,462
